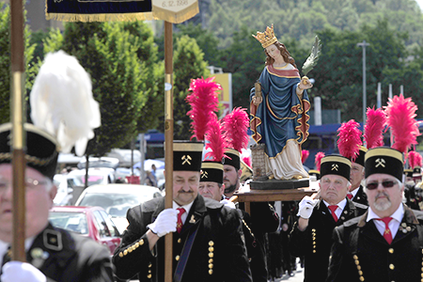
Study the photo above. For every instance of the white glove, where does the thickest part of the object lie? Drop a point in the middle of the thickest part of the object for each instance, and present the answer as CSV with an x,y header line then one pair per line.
x,y
228,203
306,207
165,222
21,271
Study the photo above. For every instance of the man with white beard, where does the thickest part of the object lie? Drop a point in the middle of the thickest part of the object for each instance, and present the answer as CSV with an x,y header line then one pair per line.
x,y
385,244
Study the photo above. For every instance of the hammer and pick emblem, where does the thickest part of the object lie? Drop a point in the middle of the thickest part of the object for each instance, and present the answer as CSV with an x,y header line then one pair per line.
x,y
186,159
380,162
335,167
204,174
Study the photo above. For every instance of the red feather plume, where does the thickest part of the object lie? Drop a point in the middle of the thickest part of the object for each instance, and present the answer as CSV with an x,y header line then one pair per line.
x,y
235,127
204,101
247,161
318,159
349,141
373,130
400,114
216,143
304,155
414,159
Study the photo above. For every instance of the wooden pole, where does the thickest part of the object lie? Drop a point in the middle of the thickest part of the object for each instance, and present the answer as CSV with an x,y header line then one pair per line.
x,y
18,133
168,142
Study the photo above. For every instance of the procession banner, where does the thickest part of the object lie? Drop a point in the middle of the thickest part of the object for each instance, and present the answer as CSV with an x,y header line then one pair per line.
x,y
173,11
98,10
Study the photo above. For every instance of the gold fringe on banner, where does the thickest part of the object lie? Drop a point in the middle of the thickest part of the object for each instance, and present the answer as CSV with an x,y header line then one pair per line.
x,y
99,17
172,17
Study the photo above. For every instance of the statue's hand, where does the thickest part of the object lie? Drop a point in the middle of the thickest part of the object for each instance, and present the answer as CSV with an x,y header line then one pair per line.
x,y
257,100
305,83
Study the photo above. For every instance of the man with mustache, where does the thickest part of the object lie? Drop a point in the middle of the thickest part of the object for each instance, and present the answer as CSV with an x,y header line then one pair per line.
x,y
311,234
385,244
208,241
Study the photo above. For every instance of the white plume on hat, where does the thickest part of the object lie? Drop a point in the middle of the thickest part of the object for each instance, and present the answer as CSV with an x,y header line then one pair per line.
x,y
62,102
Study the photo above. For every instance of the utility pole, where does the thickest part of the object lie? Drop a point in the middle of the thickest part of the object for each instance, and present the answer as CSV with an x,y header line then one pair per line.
x,y
364,44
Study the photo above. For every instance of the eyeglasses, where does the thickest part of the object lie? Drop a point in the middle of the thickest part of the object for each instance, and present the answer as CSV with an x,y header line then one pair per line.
x,y
29,183
385,184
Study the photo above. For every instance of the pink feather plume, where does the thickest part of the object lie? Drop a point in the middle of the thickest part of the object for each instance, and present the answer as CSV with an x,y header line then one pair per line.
x,y
216,143
235,127
204,101
304,155
247,161
400,114
414,159
318,159
373,130
349,141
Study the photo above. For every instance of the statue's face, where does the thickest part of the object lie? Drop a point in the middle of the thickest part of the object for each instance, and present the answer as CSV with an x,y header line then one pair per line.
x,y
273,51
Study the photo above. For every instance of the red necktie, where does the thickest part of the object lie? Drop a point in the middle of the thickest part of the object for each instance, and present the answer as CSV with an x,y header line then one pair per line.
x,y
387,233
332,210
350,196
179,223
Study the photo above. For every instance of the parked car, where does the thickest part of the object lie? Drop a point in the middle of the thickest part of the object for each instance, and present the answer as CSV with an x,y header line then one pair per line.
x,y
116,199
91,222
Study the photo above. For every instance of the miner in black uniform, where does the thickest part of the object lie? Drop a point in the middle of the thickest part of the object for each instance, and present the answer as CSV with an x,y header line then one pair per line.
x,y
356,191
263,216
311,235
207,241
410,190
52,254
385,244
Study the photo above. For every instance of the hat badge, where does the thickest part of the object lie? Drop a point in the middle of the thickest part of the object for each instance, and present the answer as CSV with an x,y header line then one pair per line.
x,y
186,159
335,167
380,162
204,174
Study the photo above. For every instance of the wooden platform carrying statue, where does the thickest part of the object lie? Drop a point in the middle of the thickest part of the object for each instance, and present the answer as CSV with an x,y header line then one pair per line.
x,y
279,107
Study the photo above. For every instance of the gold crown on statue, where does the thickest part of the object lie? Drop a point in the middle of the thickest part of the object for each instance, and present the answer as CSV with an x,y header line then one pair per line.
x,y
266,38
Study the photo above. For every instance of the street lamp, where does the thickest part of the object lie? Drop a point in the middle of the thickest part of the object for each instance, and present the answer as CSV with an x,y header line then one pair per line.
x,y
364,44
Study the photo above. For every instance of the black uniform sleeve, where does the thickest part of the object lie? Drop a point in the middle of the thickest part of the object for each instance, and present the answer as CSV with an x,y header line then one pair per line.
x,y
133,255
297,240
236,259
338,260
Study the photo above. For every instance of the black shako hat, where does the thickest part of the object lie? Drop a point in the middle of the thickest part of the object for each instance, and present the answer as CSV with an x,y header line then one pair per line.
x,y
41,152
187,155
233,158
408,172
360,158
417,172
315,173
335,164
384,160
211,172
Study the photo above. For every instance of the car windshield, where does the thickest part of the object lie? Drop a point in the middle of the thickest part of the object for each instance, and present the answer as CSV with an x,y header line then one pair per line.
x,y
116,204
71,221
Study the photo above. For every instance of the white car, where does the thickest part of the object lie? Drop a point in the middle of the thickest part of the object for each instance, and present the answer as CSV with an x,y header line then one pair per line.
x,y
116,199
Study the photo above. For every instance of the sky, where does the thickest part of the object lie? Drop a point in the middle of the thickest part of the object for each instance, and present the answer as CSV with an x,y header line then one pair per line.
x,y
420,2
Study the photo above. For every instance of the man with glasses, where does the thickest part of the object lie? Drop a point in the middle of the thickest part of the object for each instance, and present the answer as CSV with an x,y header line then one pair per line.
x,y
52,254
311,235
385,244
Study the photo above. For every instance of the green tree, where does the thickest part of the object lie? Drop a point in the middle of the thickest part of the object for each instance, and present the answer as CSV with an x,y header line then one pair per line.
x,y
339,72
5,63
188,64
110,54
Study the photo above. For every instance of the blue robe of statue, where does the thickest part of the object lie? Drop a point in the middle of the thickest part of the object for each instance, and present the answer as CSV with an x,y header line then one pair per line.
x,y
282,115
